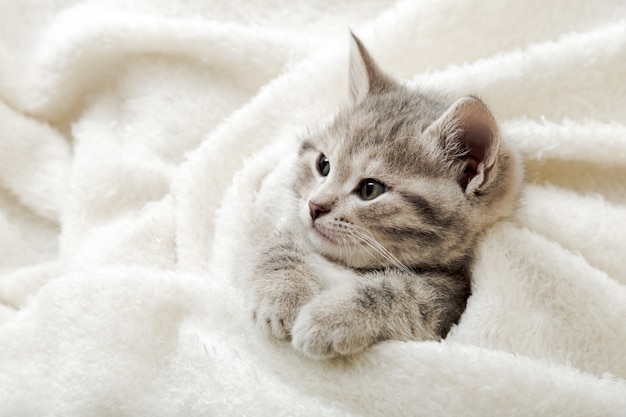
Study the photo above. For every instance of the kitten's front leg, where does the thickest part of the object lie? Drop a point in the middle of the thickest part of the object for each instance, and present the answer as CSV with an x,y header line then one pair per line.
x,y
385,306
282,282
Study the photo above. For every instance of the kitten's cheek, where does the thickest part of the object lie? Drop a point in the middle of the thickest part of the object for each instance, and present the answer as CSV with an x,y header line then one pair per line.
x,y
308,225
316,238
305,217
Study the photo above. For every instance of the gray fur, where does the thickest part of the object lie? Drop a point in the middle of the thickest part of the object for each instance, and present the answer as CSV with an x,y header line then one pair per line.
x,y
395,267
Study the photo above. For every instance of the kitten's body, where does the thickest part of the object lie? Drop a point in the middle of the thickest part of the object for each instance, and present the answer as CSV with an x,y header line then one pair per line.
x,y
381,219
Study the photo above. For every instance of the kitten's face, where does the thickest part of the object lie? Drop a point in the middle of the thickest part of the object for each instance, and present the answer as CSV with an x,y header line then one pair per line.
x,y
401,177
373,191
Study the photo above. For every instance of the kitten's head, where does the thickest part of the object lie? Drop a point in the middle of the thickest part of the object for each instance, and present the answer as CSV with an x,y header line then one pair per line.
x,y
403,177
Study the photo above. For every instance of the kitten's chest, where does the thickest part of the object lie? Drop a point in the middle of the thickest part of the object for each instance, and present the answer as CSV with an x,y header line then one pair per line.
x,y
331,274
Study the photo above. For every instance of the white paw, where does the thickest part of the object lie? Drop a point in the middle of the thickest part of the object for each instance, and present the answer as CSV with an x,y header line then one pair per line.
x,y
323,330
275,309
275,317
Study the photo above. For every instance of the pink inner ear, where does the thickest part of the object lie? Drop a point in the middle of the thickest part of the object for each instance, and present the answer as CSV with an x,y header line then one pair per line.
x,y
476,132
470,171
477,138
469,134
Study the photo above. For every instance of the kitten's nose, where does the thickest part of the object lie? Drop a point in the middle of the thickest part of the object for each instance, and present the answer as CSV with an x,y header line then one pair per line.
x,y
317,210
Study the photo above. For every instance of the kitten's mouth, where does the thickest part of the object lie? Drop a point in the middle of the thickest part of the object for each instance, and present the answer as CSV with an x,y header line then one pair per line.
x,y
319,232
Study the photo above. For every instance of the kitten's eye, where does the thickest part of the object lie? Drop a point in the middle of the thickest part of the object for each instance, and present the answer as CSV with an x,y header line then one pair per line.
x,y
323,165
370,189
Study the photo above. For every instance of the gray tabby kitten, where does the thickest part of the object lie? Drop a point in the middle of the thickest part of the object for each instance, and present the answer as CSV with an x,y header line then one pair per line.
x,y
391,200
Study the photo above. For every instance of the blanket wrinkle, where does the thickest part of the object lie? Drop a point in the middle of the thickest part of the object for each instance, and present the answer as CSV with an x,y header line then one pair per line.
x,y
34,162
135,135
96,39
556,91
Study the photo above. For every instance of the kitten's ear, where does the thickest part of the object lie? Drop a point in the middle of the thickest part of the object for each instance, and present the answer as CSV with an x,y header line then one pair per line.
x,y
364,75
470,134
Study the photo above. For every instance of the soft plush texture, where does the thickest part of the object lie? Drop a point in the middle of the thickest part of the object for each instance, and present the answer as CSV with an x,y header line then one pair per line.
x,y
132,138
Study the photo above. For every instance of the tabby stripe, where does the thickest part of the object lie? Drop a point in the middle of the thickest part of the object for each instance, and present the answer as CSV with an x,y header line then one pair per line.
x,y
394,130
307,145
425,237
376,298
281,262
425,210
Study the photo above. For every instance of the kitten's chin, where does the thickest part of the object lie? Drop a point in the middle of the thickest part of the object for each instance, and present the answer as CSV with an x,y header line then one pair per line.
x,y
322,241
336,250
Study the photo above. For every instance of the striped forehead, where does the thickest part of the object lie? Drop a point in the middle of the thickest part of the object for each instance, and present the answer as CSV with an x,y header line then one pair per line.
x,y
353,166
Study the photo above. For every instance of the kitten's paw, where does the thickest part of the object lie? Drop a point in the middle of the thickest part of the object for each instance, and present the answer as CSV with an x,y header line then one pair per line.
x,y
324,331
276,314
277,323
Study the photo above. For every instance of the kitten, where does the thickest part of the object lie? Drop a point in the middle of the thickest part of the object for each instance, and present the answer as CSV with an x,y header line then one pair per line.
x,y
387,206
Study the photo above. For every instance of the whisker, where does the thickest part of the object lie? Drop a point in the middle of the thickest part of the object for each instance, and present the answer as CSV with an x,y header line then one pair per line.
x,y
360,241
385,252
365,237
377,250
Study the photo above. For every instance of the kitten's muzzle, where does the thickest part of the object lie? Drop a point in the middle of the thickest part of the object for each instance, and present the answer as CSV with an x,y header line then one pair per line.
x,y
316,210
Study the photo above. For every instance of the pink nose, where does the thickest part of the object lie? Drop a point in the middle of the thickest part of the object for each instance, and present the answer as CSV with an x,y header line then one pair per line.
x,y
317,210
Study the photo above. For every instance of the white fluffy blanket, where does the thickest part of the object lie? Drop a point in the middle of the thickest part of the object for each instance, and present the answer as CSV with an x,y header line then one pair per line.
x,y
133,135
